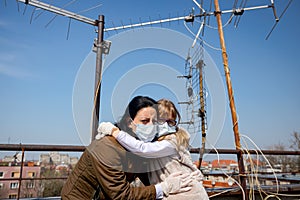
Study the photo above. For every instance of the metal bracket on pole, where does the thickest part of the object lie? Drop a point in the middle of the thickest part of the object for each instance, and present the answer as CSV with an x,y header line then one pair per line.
x,y
104,45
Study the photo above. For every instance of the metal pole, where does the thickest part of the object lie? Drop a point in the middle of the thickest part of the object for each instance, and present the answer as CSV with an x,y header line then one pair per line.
x,y
231,99
202,111
21,174
98,76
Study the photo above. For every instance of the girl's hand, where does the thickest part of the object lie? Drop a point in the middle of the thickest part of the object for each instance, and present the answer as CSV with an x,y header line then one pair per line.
x,y
106,128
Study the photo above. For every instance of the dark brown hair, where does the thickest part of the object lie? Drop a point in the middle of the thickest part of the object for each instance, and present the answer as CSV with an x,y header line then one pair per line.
x,y
136,104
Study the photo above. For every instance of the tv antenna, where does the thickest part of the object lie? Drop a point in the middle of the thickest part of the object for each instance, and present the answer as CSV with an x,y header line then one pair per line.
x,y
100,47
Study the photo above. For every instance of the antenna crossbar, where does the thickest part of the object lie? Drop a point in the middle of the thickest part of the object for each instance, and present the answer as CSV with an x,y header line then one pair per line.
x,y
144,24
245,9
59,11
182,18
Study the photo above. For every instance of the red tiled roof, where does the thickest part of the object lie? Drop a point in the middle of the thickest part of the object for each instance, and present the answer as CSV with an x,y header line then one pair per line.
x,y
216,163
222,163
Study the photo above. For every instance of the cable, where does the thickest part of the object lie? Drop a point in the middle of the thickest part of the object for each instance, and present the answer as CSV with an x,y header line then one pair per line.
x,y
251,183
271,196
216,28
199,6
210,46
287,195
273,171
198,33
218,157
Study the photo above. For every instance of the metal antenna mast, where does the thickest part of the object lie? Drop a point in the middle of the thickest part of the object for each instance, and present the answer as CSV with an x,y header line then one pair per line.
x,y
231,98
98,45
202,112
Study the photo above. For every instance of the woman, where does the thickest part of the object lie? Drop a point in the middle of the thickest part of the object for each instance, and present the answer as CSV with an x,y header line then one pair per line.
x,y
107,167
170,139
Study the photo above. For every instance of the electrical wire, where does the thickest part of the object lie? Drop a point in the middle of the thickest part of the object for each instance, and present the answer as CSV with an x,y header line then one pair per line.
x,y
223,26
199,6
225,173
254,166
273,171
254,181
205,43
251,180
197,35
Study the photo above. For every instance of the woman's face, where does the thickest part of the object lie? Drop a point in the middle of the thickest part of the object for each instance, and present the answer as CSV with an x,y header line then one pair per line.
x,y
144,116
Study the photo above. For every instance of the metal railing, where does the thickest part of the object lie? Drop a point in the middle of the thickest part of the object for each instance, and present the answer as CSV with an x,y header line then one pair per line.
x,y
77,148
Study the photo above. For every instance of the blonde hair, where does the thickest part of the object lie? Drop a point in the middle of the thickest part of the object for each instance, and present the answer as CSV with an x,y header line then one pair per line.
x,y
167,108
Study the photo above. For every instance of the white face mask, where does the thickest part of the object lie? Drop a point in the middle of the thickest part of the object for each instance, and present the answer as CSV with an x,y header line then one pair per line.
x,y
146,132
165,129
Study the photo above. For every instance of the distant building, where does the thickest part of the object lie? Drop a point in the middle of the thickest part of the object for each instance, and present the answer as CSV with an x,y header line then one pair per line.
x,y
9,188
64,159
10,172
231,165
45,159
57,158
15,158
215,172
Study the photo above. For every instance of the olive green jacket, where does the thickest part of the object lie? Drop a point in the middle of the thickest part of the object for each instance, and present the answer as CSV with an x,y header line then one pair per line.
x,y
102,165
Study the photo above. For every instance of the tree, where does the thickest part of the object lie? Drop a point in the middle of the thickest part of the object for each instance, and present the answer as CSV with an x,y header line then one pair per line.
x,y
295,141
288,163
284,161
295,144
51,187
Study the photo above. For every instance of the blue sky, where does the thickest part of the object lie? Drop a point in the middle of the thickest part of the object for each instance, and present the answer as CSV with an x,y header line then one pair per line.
x,y
41,71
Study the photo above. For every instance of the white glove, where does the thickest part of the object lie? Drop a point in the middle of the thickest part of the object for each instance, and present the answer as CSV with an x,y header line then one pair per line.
x,y
197,175
176,183
104,128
